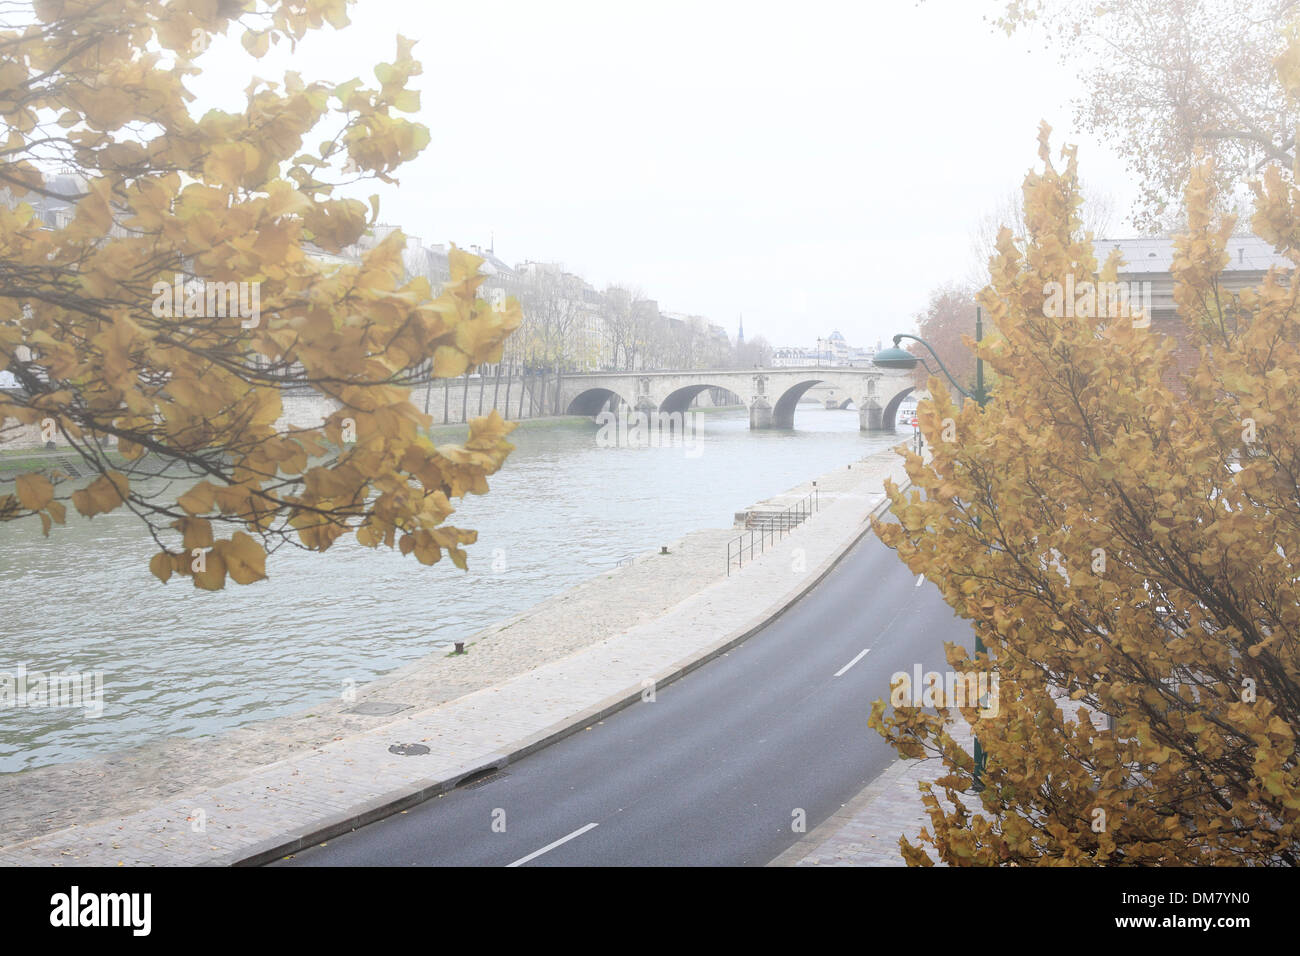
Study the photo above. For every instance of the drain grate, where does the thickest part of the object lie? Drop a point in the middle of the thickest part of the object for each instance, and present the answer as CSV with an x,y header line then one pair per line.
x,y
408,750
481,779
378,708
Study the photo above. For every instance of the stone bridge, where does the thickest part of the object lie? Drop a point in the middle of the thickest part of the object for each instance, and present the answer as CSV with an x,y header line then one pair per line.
x,y
771,394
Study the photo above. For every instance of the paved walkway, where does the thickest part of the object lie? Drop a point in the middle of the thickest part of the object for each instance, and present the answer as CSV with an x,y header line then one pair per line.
x,y
316,792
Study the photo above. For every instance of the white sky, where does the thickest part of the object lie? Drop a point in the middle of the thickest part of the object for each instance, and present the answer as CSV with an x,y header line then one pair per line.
x,y
815,166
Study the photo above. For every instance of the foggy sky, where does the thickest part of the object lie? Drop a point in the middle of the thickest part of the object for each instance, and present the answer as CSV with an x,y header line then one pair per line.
x,y
814,166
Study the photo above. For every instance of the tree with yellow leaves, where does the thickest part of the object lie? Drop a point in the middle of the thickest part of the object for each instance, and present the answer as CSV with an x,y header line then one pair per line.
x,y
1129,556
117,353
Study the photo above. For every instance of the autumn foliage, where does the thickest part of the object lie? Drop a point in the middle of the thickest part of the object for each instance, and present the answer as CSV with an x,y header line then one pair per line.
x,y
1124,552
226,197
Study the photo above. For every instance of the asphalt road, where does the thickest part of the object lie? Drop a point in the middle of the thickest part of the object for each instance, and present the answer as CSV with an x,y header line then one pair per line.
x,y
712,771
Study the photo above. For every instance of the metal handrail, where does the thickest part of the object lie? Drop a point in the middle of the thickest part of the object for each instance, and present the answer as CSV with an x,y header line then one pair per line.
x,y
771,528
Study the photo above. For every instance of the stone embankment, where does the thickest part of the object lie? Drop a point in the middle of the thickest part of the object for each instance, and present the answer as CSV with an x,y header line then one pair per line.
x,y
561,645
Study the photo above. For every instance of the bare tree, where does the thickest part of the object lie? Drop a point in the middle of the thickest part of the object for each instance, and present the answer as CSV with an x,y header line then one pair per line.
x,y
1097,214
753,353
626,328
553,309
946,319
1168,80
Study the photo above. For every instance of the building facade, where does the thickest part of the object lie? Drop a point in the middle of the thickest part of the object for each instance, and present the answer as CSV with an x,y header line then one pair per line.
x,y
1149,261
833,350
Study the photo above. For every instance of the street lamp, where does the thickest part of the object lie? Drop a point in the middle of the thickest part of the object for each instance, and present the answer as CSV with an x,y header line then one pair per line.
x,y
897,358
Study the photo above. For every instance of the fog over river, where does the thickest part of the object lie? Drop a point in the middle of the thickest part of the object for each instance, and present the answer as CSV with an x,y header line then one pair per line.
x,y
178,661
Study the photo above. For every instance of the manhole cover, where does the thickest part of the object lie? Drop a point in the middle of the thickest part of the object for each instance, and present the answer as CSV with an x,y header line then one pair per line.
x,y
408,750
378,708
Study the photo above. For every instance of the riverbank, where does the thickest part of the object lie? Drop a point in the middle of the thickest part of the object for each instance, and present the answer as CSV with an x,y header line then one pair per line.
x,y
604,611
15,460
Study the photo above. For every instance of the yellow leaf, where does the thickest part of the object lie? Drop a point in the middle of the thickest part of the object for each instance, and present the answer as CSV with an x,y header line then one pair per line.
x,y
34,491
244,557
213,575
105,493
449,362
198,500
161,566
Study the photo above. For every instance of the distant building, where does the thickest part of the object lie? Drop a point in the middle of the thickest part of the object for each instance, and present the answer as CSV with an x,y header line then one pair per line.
x,y
51,208
1150,260
831,351
493,266
720,339
592,347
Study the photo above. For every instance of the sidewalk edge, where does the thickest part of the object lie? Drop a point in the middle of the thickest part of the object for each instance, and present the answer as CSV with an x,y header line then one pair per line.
x,y
396,801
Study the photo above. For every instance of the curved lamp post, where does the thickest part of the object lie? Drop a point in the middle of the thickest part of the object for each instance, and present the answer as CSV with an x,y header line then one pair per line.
x,y
898,358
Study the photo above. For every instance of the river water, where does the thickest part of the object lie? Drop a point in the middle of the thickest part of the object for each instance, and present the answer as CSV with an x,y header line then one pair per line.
x,y
176,661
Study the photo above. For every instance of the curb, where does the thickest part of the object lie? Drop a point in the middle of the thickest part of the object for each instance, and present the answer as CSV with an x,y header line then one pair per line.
x,y
395,802
827,829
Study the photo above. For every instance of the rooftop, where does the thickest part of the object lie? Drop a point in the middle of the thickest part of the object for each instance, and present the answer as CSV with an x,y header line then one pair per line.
x,y
1249,254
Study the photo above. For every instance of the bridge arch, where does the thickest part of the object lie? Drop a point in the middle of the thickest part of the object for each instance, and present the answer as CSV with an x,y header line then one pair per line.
x,y
680,399
783,410
770,393
592,401
889,418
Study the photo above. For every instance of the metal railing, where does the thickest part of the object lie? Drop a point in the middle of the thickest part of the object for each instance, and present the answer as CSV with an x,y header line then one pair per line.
x,y
765,530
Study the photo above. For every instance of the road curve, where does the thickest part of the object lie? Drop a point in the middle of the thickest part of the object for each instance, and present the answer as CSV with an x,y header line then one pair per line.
x,y
714,771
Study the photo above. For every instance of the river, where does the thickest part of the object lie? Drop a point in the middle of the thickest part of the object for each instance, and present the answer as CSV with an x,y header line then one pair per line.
x,y
177,661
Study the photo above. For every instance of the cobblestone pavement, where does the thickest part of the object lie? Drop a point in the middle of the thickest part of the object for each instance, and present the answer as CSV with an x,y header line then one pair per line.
x,y
223,799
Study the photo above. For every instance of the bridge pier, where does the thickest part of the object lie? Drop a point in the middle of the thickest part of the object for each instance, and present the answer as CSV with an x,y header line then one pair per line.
x,y
760,414
871,417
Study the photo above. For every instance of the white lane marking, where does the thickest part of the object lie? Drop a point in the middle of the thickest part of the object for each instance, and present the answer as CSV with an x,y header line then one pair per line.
x,y
919,579
851,663
551,846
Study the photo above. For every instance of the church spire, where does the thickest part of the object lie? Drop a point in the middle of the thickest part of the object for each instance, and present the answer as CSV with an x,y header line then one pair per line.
x,y
740,337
